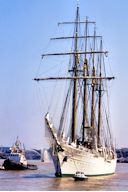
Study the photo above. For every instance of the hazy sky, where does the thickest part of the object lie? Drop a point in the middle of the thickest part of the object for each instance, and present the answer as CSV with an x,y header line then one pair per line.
x,y
25,29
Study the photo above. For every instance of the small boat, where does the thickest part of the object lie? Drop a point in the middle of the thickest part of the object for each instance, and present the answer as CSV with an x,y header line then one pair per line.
x,y
17,159
80,176
10,164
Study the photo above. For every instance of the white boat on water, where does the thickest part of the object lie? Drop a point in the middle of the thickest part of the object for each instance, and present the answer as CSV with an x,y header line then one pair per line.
x,y
83,139
80,176
70,157
17,160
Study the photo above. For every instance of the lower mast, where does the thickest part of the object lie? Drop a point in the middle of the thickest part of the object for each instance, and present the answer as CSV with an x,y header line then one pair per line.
x,y
73,138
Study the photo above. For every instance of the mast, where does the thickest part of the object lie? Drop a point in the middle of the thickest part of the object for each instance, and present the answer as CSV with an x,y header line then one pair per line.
x,y
93,86
92,104
85,82
85,77
99,104
73,131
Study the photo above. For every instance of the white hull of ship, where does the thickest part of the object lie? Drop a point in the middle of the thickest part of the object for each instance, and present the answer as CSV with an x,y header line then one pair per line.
x,y
88,161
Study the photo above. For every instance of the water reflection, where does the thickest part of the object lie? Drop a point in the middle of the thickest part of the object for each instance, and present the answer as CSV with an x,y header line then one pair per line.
x,y
44,179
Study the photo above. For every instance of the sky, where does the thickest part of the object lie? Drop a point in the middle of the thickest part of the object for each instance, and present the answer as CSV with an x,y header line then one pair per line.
x,y
25,29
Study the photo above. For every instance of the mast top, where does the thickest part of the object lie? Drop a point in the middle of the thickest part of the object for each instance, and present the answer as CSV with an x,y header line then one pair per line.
x,y
77,3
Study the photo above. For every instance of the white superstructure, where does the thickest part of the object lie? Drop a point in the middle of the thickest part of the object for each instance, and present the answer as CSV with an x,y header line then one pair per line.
x,y
70,158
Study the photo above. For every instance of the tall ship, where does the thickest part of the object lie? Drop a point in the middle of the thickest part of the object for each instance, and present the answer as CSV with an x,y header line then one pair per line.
x,y
82,140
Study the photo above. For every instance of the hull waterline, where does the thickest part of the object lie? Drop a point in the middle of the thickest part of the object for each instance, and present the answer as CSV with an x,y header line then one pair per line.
x,y
88,162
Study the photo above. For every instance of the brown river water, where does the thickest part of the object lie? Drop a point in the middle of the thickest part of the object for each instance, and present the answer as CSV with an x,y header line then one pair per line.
x,y
43,179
